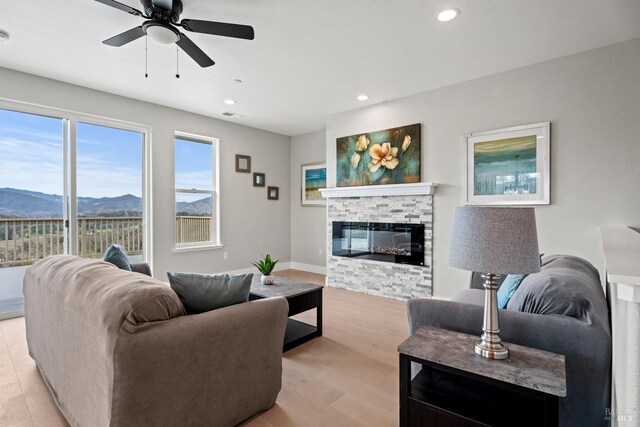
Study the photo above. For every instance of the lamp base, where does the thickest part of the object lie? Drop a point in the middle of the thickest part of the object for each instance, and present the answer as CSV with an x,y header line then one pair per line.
x,y
491,350
490,345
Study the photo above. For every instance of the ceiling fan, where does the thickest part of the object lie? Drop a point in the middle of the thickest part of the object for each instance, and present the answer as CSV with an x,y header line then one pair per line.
x,y
162,26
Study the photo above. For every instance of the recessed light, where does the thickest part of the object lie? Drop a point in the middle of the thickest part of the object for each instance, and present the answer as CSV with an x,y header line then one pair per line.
x,y
229,101
448,15
362,97
4,36
237,81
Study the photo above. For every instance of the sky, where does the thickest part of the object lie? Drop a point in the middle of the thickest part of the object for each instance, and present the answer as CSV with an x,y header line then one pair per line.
x,y
109,161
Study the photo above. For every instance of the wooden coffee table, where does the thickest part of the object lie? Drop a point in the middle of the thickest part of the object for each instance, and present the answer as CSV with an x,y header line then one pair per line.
x,y
301,297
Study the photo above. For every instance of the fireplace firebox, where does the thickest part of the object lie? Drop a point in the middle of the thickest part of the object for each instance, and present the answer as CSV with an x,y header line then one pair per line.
x,y
380,241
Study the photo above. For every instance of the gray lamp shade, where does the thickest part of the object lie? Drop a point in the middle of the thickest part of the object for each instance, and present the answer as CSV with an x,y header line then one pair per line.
x,y
495,240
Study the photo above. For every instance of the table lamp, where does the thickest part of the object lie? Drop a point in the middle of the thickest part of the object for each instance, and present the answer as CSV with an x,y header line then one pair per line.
x,y
494,241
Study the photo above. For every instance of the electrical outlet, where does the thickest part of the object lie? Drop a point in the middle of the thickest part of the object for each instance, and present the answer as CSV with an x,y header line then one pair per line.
x,y
226,255
320,251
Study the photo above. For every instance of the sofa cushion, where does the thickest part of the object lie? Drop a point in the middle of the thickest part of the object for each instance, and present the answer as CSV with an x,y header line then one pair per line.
x,y
117,255
564,286
470,296
508,288
98,289
205,292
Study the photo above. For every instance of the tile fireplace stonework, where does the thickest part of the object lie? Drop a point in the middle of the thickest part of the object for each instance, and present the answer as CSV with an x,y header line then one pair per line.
x,y
399,281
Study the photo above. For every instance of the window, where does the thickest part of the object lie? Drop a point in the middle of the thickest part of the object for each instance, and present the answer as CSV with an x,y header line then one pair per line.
x,y
69,184
197,210
109,187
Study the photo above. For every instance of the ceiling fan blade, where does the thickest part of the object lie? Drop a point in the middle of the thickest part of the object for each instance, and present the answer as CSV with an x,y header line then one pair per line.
x,y
121,6
163,4
218,28
126,37
194,51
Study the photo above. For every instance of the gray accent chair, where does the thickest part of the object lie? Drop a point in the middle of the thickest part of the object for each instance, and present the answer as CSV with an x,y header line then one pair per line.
x,y
116,348
561,309
141,267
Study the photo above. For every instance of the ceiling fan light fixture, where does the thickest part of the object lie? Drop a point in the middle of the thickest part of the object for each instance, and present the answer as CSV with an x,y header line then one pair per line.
x,y
162,34
162,23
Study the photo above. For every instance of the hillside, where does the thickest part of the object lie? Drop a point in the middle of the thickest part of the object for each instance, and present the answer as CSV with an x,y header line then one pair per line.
x,y
29,204
197,208
18,203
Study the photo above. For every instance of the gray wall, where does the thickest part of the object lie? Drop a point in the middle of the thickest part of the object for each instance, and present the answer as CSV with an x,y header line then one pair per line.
x,y
593,103
251,224
308,225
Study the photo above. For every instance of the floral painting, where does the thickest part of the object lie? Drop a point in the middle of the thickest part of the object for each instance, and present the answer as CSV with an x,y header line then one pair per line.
x,y
389,156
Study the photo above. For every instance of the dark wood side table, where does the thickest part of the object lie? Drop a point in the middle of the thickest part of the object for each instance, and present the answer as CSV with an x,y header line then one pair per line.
x,y
301,297
456,387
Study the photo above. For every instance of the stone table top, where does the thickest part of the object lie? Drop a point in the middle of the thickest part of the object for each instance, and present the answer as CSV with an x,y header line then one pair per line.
x,y
526,367
281,287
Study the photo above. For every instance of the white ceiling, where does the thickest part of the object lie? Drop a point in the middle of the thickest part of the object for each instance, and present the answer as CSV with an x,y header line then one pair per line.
x,y
310,59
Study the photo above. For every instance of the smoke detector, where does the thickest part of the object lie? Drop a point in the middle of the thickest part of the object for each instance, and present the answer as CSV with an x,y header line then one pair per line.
x,y
4,36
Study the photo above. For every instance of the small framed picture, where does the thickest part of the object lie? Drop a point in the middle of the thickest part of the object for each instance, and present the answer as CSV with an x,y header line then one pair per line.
x,y
314,177
273,193
509,166
243,163
259,179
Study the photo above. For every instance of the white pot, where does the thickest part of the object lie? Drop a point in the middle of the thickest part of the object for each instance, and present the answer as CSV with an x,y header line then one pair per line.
x,y
267,280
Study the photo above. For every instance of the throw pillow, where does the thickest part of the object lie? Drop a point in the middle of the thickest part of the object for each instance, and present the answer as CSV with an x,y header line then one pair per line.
x,y
117,255
566,285
204,292
508,288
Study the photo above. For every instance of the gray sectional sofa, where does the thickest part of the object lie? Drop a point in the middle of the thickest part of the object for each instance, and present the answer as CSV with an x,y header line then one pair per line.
x,y
561,309
117,349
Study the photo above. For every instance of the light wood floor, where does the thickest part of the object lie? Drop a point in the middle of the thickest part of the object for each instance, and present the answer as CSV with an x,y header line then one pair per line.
x,y
348,377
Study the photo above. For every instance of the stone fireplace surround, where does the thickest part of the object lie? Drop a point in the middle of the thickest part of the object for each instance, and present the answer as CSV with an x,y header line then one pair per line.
x,y
401,203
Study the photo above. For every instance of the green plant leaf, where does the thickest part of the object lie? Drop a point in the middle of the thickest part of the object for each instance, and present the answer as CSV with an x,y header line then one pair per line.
x,y
266,265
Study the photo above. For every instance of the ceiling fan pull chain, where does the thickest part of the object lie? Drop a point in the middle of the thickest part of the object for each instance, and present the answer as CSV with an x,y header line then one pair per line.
x,y
146,54
177,69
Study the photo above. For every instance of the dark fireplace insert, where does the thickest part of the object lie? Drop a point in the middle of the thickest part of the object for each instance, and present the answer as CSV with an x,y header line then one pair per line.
x,y
379,241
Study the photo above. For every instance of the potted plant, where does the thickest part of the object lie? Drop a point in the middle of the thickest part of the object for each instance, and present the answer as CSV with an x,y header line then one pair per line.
x,y
266,266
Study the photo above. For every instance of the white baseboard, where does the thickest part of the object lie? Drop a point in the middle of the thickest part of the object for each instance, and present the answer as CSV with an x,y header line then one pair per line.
x,y
279,267
240,271
317,269
289,265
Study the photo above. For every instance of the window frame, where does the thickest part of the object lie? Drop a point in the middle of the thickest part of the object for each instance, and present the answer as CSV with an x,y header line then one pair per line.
x,y
70,119
214,241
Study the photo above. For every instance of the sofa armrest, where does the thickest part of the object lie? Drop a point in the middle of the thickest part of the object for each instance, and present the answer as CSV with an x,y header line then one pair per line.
x,y
141,267
222,366
586,346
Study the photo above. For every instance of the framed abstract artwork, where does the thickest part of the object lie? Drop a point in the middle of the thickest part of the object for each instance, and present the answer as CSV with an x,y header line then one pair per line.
x,y
243,163
273,193
390,156
509,166
314,177
259,179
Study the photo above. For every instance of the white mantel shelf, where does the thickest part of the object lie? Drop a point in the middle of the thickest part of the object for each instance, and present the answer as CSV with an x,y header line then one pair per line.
x,y
419,188
622,254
